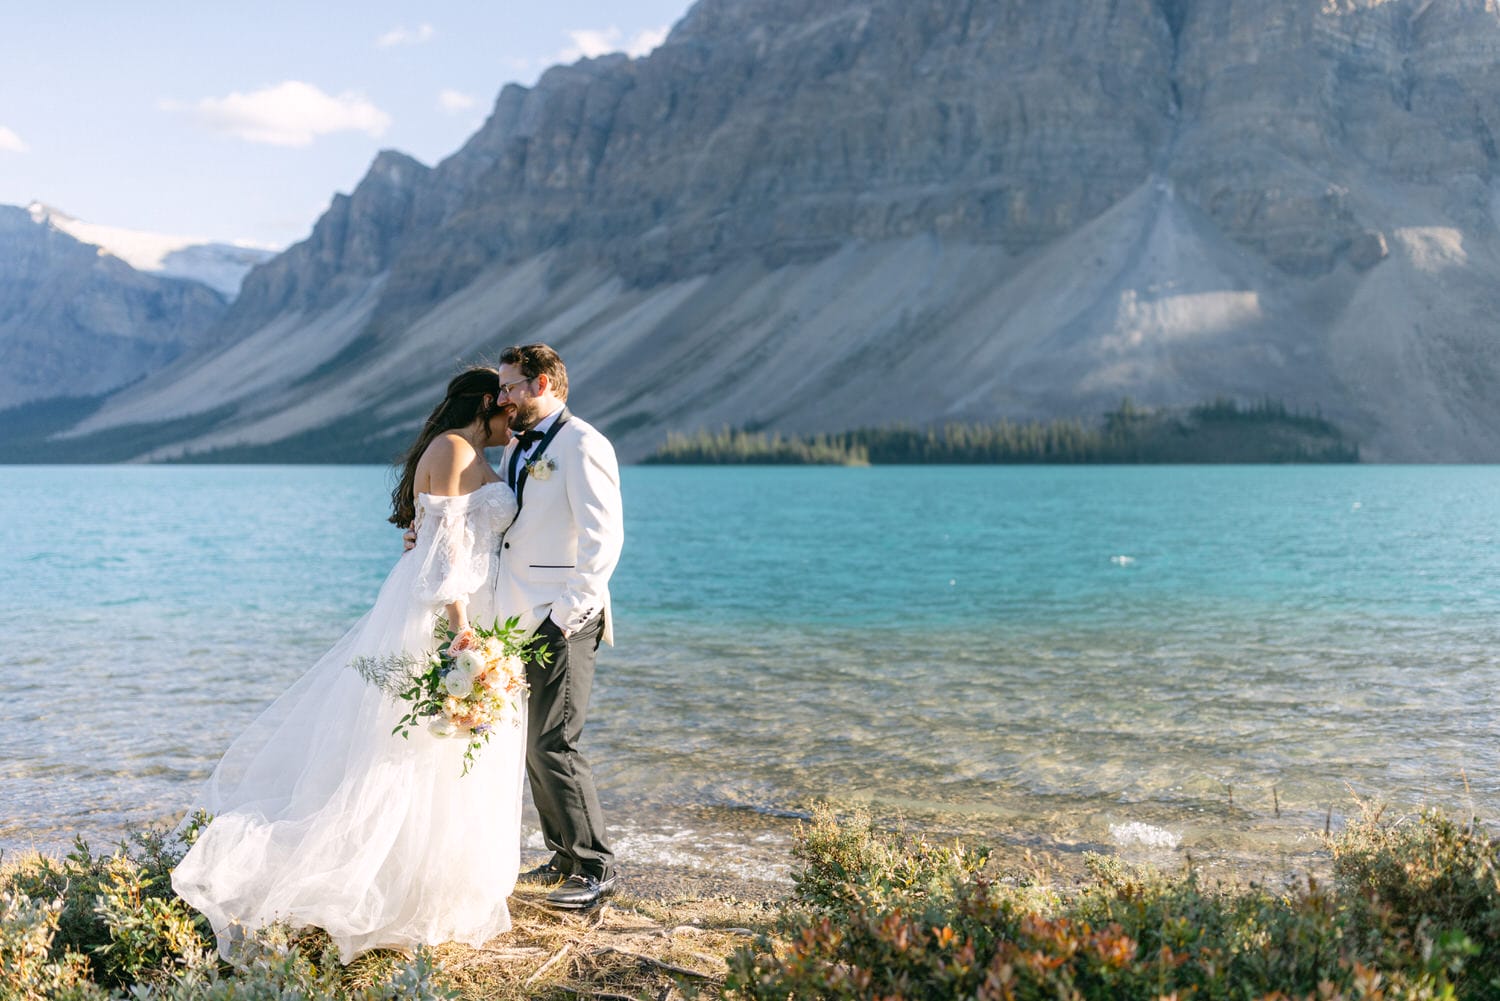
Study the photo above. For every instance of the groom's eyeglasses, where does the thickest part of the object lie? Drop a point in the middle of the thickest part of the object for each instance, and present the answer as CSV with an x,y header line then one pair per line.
x,y
506,387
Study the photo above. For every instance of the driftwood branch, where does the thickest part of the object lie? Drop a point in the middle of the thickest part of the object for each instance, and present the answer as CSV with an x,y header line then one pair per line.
x,y
515,952
598,996
699,930
557,957
681,971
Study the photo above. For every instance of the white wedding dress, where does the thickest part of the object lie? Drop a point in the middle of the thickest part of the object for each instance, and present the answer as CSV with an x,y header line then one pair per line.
x,y
322,817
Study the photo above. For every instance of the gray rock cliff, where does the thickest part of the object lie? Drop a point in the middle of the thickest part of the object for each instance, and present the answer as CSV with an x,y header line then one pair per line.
x,y
77,322
1038,208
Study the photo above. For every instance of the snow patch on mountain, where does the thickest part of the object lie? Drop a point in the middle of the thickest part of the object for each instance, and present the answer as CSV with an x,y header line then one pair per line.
x,y
220,266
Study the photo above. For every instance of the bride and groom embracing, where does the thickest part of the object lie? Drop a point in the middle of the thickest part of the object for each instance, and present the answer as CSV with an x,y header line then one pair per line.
x,y
320,815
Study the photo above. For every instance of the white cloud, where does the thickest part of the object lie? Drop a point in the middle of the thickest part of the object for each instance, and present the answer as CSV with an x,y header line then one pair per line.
x,y
292,113
454,101
12,143
402,35
593,42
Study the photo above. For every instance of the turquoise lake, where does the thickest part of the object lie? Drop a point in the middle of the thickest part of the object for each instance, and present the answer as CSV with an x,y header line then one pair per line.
x,y
1161,661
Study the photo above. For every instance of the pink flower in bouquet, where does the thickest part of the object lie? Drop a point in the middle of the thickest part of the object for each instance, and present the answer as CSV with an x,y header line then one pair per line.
x,y
465,640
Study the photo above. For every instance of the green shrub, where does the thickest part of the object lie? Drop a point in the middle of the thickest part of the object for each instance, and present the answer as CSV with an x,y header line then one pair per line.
x,y
1425,887
848,862
274,969
69,926
29,970
118,909
146,930
1410,916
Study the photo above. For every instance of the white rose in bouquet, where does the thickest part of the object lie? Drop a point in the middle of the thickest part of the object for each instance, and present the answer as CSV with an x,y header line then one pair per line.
x,y
458,682
471,662
440,727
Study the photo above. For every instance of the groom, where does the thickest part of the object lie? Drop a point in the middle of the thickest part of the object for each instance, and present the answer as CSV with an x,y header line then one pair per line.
x,y
555,565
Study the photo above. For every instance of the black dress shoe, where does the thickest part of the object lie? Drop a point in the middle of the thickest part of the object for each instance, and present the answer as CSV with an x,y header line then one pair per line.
x,y
579,892
545,874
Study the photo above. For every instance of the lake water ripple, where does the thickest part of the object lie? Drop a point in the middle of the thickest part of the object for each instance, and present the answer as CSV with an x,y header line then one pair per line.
x,y
1151,659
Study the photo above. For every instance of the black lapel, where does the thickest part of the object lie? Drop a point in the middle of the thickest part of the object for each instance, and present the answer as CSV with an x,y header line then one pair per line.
x,y
510,470
562,418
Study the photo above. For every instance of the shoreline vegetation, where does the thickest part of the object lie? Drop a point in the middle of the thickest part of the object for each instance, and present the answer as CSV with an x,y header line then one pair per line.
x,y
1411,911
1222,431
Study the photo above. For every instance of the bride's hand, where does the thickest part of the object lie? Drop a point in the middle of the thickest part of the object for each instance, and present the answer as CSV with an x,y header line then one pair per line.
x,y
463,639
409,537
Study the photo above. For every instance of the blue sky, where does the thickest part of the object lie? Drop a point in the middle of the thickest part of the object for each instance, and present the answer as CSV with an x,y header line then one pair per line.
x,y
239,121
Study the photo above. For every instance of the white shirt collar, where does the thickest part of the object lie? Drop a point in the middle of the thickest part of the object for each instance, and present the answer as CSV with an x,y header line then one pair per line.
x,y
545,424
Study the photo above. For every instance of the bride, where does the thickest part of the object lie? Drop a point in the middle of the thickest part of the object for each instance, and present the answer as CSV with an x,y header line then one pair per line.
x,y
320,815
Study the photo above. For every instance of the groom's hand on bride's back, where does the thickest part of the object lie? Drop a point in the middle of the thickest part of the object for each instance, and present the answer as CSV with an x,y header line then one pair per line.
x,y
409,537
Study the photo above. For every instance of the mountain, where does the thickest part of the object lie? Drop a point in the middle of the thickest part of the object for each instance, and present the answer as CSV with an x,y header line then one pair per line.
x,y
77,322
220,266
810,215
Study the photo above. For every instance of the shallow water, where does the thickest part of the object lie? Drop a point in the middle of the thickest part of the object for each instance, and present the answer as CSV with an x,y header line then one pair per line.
x,y
1119,657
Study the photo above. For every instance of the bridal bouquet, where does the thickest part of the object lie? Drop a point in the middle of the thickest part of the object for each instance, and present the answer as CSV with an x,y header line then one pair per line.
x,y
472,684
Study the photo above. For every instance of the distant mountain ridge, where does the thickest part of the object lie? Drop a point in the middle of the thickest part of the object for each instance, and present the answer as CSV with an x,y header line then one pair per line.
x,y
75,322
220,266
813,215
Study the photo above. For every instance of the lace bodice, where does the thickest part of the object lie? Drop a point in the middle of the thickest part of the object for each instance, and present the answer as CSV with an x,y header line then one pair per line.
x,y
458,541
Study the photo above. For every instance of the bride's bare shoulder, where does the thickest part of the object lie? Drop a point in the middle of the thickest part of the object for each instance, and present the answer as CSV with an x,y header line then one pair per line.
x,y
448,445
442,462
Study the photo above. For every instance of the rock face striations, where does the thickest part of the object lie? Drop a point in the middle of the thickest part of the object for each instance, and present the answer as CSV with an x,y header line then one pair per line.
x,y
820,214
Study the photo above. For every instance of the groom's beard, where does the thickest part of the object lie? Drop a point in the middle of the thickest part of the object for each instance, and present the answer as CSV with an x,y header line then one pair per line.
x,y
526,416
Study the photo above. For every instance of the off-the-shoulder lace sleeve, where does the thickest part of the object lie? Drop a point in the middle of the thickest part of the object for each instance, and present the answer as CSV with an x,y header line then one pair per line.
x,y
500,507
449,568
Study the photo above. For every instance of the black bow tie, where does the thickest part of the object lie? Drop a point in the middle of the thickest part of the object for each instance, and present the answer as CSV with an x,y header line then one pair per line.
x,y
525,439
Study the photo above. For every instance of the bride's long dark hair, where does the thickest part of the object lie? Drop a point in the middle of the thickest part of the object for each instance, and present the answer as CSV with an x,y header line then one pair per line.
x,y
463,402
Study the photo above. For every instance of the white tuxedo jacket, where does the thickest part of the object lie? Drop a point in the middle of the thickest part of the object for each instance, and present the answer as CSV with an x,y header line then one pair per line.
x,y
557,557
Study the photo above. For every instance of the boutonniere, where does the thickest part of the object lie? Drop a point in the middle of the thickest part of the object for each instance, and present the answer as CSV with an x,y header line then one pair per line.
x,y
540,469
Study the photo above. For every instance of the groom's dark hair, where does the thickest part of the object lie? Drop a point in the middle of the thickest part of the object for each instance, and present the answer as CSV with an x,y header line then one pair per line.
x,y
538,359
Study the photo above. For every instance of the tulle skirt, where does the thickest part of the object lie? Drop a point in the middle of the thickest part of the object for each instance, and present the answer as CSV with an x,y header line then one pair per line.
x,y
322,817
